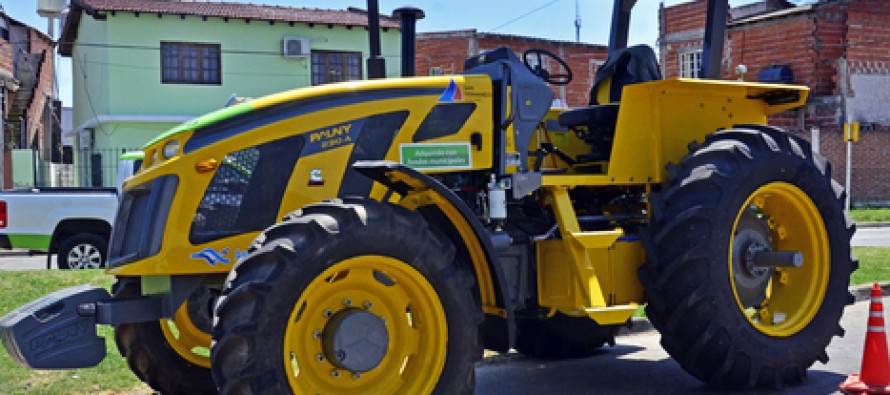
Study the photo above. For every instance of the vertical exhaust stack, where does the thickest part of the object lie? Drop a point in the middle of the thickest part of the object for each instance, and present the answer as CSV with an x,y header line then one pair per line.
x,y
376,63
409,17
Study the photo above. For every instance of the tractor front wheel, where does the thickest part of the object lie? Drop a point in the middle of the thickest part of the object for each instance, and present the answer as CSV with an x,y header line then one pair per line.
x,y
172,356
348,297
748,259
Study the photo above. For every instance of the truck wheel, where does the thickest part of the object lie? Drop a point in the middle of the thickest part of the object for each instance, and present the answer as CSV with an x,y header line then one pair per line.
x,y
563,337
350,296
723,288
171,356
82,251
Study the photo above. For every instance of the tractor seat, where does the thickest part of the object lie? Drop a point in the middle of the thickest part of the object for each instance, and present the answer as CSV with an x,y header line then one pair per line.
x,y
596,124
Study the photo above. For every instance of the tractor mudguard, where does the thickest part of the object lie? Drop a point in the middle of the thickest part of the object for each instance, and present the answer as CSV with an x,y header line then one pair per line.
x,y
404,181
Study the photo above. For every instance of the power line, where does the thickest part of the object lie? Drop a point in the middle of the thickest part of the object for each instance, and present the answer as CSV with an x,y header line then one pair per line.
x,y
524,15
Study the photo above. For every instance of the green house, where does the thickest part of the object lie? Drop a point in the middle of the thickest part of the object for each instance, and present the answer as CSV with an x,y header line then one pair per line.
x,y
142,67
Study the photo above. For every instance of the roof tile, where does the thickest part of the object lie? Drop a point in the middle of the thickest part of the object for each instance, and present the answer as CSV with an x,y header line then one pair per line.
x,y
348,17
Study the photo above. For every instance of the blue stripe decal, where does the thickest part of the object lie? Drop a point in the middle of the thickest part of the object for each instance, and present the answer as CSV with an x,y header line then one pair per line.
x,y
212,257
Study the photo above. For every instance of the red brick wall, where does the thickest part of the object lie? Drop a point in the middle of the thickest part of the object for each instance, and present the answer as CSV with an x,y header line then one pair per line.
x,y
5,55
812,42
868,34
682,20
789,41
449,49
446,50
44,86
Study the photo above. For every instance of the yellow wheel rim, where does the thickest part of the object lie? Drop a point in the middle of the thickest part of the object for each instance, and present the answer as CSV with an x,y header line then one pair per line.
x,y
186,339
389,289
792,295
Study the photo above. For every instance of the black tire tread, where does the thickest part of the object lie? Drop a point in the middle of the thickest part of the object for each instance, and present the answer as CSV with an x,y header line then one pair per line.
x,y
685,306
320,231
151,359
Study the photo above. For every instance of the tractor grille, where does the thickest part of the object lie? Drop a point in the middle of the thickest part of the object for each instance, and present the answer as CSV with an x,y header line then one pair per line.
x,y
141,219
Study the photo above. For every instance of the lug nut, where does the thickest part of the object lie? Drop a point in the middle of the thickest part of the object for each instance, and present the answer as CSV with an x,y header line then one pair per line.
x,y
328,313
356,375
335,373
368,305
316,334
347,302
319,357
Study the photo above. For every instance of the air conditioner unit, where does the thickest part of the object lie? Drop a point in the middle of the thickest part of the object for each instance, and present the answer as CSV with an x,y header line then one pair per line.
x,y
295,47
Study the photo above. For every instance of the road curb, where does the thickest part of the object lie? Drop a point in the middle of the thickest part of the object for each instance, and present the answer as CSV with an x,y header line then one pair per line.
x,y
861,225
860,293
16,252
863,292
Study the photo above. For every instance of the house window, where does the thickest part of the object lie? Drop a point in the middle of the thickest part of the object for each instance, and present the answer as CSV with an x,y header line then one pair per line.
x,y
690,64
190,63
330,67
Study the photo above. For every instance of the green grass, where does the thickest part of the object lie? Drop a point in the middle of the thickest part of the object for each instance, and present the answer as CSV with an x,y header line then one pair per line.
x,y
112,376
870,214
874,265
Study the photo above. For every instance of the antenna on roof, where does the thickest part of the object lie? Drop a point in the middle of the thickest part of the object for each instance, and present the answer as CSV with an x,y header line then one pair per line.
x,y
577,22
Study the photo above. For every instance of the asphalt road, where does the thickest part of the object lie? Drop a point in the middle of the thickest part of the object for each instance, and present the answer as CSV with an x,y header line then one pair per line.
x,y
638,365
15,260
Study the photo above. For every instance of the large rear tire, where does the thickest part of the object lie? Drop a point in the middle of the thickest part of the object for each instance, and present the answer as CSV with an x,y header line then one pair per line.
x,y
563,337
163,353
348,297
727,320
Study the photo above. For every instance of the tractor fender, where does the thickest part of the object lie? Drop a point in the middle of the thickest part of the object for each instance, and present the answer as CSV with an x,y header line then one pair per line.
x,y
421,191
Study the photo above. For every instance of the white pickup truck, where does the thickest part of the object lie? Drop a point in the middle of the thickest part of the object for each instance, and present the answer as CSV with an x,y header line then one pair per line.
x,y
73,223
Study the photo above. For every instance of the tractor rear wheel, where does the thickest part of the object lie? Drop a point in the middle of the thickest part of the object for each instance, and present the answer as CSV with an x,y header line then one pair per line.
x,y
350,296
171,356
563,337
748,259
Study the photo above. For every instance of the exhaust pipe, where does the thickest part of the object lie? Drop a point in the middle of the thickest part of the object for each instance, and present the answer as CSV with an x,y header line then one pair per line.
x,y
409,17
376,63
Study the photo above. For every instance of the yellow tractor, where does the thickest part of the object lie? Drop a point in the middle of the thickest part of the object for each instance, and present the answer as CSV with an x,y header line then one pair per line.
x,y
374,236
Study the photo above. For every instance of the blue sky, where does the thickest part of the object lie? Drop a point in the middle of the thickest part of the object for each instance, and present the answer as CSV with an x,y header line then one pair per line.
x,y
552,19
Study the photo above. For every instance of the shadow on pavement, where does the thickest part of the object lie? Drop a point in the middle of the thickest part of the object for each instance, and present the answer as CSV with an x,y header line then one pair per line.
x,y
617,370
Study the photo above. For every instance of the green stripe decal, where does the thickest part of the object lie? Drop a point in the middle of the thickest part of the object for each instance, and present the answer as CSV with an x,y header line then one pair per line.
x,y
203,121
133,155
30,242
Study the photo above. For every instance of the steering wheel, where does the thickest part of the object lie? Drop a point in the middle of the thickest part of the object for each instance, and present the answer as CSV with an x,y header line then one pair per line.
x,y
538,69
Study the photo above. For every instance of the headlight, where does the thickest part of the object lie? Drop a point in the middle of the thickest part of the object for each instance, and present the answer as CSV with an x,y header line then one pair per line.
x,y
171,148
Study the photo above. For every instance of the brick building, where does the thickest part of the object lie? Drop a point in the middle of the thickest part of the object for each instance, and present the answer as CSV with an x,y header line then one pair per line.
x,y
839,48
26,77
444,53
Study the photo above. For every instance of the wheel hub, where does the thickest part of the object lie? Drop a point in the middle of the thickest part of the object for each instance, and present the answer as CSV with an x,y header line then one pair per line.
x,y
752,237
355,340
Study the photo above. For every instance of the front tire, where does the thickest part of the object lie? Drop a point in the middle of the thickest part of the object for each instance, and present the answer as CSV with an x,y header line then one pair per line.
x,y
167,362
290,313
727,320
